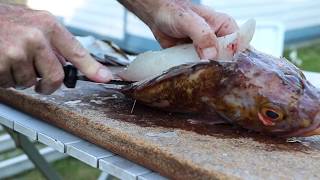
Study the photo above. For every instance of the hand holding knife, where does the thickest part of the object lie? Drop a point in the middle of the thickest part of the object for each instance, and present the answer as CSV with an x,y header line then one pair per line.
x,y
72,76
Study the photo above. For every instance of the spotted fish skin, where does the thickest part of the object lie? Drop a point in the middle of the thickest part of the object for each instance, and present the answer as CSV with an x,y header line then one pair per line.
x,y
239,90
180,89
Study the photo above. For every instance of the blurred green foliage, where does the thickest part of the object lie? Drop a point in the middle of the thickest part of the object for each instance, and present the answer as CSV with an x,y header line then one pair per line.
x,y
68,168
309,56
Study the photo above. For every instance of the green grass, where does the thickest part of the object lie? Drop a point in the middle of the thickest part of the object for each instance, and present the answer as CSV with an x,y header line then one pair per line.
x,y
310,56
10,154
68,168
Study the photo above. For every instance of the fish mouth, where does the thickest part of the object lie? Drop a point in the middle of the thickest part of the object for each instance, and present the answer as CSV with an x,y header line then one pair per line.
x,y
313,130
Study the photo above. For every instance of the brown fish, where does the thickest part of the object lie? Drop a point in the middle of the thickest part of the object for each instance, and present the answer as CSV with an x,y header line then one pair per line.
x,y
255,90
244,86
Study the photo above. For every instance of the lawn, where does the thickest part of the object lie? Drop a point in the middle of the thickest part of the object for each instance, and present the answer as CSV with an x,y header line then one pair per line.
x,y
310,56
71,168
68,168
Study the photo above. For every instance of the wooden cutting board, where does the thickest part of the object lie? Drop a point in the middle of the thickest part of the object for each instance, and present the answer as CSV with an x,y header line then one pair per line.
x,y
178,146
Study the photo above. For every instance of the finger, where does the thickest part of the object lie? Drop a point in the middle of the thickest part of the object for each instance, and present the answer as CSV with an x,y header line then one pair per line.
x,y
62,60
6,79
49,68
44,62
226,24
221,23
23,74
200,32
13,60
71,49
163,39
168,41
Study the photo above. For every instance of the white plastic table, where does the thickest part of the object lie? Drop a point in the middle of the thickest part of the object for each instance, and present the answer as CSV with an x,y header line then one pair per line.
x,y
76,147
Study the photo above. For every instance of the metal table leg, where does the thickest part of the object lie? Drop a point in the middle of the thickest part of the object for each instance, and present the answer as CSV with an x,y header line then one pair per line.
x,y
33,154
105,176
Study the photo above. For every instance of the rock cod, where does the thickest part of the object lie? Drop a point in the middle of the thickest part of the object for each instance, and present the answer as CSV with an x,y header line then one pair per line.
x,y
244,86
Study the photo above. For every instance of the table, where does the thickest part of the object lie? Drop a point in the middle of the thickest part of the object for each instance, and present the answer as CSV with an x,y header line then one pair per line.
x,y
74,146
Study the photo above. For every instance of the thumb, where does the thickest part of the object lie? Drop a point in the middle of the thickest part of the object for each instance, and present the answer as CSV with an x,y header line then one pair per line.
x,y
203,37
91,68
70,48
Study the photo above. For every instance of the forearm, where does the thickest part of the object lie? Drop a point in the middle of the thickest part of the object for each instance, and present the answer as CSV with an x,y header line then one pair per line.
x,y
144,9
6,8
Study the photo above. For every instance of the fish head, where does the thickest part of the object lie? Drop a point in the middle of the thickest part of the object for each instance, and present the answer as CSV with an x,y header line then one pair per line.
x,y
270,95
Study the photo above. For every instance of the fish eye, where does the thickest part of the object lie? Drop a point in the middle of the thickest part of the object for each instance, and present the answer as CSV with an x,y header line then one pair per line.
x,y
272,113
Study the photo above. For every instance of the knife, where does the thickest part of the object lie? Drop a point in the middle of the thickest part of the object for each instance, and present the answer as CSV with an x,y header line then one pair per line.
x,y
72,76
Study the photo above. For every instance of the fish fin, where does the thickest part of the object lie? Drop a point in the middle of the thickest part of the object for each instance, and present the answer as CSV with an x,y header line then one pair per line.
x,y
239,41
176,71
246,34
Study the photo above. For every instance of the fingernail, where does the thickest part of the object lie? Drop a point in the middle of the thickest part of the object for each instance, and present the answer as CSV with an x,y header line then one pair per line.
x,y
20,87
104,74
209,53
204,60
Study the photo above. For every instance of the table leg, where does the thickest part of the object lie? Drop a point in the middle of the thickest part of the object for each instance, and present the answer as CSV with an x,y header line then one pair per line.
x,y
33,154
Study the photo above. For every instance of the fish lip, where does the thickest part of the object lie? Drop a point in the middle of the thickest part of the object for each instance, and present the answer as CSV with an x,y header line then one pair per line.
x,y
305,131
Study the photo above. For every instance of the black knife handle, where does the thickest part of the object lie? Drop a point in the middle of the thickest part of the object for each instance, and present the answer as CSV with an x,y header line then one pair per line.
x,y
70,76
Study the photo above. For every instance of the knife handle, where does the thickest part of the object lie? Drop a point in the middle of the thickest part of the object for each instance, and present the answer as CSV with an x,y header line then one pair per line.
x,y
70,76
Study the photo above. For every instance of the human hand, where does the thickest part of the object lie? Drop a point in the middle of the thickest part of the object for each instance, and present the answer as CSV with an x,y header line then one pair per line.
x,y
179,21
33,43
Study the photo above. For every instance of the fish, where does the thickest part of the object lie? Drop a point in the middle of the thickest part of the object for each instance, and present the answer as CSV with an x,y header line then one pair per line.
x,y
246,87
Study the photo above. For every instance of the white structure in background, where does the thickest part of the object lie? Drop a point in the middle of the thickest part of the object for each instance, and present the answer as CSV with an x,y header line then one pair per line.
x,y
108,18
269,37
98,16
294,14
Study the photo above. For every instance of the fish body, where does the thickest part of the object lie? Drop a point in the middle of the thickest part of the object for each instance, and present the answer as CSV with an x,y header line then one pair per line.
x,y
244,86
254,90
